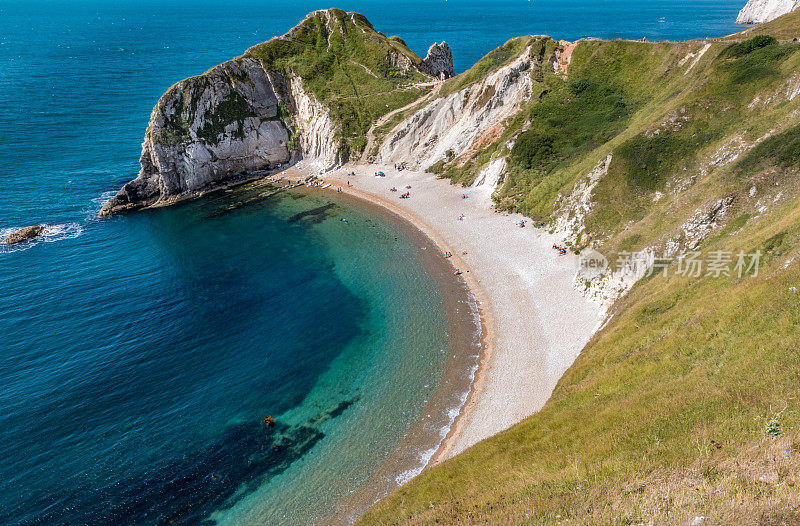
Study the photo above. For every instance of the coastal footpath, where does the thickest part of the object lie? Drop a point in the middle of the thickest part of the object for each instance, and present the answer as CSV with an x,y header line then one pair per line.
x,y
677,398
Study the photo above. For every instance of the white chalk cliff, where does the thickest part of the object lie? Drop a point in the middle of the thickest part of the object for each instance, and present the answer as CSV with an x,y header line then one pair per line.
x,y
760,11
236,118
456,126
248,115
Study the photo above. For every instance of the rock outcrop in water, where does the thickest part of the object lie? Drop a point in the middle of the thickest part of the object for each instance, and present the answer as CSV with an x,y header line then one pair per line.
x,y
256,112
760,11
22,235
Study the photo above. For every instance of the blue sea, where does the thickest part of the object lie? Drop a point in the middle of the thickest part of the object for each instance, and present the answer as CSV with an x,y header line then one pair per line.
x,y
140,355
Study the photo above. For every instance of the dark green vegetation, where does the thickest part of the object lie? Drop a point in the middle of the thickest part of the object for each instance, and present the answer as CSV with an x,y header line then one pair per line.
x,y
232,109
355,71
741,49
572,118
781,151
686,403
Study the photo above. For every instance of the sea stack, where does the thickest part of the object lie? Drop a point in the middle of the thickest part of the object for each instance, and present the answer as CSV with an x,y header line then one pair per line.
x,y
439,61
761,11
23,234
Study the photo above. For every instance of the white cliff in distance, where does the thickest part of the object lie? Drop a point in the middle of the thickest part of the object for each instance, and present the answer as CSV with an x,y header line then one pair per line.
x,y
760,11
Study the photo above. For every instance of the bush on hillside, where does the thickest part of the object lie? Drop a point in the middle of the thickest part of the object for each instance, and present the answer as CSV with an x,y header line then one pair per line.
x,y
533,149
741,49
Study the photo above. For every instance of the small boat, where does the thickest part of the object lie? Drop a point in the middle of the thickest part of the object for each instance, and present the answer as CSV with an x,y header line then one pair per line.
x,y
326,186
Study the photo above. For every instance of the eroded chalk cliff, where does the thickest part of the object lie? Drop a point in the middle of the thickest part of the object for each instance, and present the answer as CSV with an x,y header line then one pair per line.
x,y
459,124
233,120
761,11
263,110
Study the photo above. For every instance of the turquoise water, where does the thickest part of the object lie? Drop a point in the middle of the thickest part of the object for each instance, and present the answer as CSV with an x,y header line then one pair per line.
x,y
140,354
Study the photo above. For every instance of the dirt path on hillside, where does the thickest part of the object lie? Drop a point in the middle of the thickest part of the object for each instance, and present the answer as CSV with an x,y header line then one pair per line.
x,y
383,120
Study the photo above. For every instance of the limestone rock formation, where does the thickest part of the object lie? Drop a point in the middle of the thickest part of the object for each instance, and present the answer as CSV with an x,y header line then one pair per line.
x,y
235,119
460,123
760,11
255,113
439,61
23,234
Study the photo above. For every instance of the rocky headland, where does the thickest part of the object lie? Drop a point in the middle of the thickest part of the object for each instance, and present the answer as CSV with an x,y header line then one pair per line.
x,y
256,113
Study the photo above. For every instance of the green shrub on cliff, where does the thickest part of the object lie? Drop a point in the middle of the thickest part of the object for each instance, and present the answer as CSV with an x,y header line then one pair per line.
x,y
233,109
748,46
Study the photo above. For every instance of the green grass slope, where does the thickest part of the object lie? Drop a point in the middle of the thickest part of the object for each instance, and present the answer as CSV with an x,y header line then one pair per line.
x,y
357,72
686,404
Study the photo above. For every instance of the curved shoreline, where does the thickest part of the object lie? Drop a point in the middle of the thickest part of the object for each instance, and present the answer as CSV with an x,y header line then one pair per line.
x,y
535,321
463,363
486,322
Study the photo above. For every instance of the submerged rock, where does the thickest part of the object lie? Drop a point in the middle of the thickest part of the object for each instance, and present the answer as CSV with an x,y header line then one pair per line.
x,y
23,234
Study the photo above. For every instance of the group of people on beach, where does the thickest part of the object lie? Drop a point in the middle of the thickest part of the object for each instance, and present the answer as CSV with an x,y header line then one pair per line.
x,y
561,249
399,167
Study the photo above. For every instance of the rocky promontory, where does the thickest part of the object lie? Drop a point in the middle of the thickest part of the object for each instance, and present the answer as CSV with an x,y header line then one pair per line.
x,y
308,95
438,62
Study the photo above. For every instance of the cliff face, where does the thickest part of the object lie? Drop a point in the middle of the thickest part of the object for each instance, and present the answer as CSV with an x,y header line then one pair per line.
x,y
439,61
760,11
281,102
205,128
461,123
214,128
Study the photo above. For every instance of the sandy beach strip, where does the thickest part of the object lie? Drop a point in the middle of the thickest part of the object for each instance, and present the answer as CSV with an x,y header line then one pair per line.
x,y
534,321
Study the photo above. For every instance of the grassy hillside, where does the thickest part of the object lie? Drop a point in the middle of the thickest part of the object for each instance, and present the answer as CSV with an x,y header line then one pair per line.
x,y
357,72
686,403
